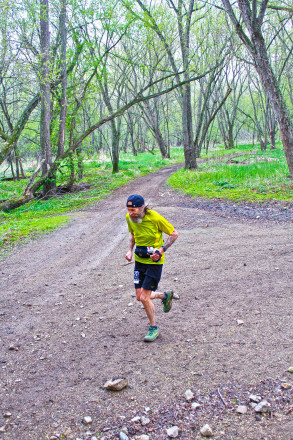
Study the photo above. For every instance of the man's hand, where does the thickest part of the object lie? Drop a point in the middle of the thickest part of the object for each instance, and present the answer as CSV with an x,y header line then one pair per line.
x,y
156,256
128,256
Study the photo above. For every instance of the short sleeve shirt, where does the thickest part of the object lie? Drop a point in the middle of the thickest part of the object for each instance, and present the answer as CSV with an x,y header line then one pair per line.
x,y
150,233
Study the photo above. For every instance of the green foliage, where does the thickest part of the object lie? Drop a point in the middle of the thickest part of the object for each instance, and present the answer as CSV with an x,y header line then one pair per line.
x,y
254,177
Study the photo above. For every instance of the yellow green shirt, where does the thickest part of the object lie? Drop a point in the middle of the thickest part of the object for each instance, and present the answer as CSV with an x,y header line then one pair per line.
x,y
150,233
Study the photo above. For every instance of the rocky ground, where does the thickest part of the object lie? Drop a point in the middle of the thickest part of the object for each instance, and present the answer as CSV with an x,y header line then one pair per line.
x,y
70,322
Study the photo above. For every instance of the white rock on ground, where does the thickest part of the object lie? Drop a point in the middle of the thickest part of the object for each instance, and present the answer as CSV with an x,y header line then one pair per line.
x,y
142,437
254,398
135,419
116,385
173,432
263,406
123,436
290,369
144,420
189,395
241,409
206,431
286,386
87,420
195,405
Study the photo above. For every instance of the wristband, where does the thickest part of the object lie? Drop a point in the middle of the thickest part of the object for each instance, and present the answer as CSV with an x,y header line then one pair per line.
x,y
164,247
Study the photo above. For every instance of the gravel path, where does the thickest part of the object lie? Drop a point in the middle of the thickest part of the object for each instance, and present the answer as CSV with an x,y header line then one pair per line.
x,y
69,322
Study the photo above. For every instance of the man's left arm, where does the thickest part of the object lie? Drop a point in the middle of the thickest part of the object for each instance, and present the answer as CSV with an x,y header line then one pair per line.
x,y
170,240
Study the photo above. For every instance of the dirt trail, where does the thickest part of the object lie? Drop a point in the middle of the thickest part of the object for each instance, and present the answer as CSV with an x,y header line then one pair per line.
x,y
66,316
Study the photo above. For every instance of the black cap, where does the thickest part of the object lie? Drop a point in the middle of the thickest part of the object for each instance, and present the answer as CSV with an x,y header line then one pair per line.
x,y
135,201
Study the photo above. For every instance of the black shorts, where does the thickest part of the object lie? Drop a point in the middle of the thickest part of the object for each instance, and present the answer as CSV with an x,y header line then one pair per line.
x,y
147,275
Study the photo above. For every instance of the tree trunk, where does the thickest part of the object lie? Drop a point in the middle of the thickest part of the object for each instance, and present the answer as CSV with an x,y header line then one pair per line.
x,y
63,102
45,122
115,147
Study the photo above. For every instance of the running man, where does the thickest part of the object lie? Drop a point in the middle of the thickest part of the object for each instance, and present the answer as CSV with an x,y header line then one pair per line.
x,y
146,229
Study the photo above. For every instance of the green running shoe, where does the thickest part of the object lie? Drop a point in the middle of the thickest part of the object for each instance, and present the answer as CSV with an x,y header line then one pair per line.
x,y
168,301
153,333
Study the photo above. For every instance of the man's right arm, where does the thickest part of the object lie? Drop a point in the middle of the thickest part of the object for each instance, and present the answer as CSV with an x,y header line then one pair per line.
x,y
129,254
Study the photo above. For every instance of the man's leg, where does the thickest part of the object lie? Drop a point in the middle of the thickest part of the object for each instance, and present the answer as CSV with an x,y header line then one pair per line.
x,y
145,298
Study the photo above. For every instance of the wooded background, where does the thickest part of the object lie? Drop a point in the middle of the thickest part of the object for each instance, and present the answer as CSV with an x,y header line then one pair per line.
x,y
77,78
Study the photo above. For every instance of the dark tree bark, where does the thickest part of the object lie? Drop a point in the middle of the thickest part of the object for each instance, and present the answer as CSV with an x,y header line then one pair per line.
x,y
256,46
45,123
63,102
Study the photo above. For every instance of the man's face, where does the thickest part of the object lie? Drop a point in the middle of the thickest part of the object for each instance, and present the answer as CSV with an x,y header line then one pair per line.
x,y
135,214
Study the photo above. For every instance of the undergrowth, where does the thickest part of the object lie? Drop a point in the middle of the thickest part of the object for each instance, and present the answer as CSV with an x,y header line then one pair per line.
x,y
252,177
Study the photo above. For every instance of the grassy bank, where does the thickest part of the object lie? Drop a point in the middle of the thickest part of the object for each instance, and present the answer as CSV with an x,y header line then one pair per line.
x,y
253,177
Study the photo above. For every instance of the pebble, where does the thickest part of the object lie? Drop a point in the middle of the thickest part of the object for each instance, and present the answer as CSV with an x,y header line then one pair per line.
x,y
87,420
254,398
2,429
123,436
240,322
173,432
7,415
116,385
195,405
144,421
142,437
290,369
189,395
263,406
13,348
241,409
286,386
130,304
135,419
206,431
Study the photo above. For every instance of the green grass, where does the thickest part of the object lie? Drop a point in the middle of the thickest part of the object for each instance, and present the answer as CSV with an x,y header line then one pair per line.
x,y
253,177
41,216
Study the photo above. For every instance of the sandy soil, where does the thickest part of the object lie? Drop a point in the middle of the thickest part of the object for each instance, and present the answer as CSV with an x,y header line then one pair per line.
x,y
69,322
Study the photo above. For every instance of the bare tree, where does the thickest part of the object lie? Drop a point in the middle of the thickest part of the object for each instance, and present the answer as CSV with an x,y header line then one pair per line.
x,y
252,13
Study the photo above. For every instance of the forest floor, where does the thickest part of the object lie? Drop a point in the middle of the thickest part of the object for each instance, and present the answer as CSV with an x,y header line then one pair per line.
x,y
69,322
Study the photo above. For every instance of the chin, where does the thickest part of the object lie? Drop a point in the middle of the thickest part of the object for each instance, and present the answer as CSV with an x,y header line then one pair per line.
x,y
135,220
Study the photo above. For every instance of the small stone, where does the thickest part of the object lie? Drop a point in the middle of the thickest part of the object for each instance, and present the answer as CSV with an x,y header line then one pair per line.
x,y
263,406
94,438
189,395
7,415
124,429
2,428
254,398
286,386
147,409
82,335
206,431
195,405
290,369
144,421
123,436
142,437
116,384
240,322
173,432
135,419
87,420
130,304
13,348
253,404
241,409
